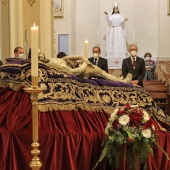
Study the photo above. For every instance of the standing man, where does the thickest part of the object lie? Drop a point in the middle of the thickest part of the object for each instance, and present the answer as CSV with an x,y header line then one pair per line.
x,y
19,52
134,65
97,60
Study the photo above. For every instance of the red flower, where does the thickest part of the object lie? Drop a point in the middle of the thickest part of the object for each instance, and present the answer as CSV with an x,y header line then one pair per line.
x,y
135,119
147,125
115,124
127,107
121,112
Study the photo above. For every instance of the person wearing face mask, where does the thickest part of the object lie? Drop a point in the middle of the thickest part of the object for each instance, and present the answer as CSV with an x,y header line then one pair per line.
x,y
150,66
97,60
134,65
19,52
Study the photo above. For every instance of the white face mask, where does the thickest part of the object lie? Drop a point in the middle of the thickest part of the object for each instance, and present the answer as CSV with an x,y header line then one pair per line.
x,y
95,55
20,56
133,53
147,58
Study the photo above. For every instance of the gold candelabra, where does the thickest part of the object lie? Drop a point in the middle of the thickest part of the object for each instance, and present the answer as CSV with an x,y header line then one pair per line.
x,y
35,163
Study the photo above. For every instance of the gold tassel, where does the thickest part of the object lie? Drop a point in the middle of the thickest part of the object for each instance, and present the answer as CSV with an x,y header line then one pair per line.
x,y
22,75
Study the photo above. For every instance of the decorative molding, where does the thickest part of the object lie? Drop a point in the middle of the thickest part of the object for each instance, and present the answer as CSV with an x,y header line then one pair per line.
x,y
26,43
163,58
163,69
168,7
31,2
4,2
54,43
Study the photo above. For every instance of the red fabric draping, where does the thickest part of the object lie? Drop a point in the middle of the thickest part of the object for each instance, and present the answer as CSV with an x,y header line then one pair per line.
x,y
69,140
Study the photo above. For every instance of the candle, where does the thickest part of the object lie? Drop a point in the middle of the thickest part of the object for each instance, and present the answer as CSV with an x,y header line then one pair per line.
x,y
34,51
86,49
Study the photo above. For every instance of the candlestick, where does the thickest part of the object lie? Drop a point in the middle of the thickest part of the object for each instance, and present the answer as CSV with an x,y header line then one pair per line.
x,y
35,163
86,49
34,51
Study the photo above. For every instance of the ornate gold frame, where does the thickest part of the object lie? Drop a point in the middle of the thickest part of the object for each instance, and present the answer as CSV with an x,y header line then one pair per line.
x,y
168,7
58,8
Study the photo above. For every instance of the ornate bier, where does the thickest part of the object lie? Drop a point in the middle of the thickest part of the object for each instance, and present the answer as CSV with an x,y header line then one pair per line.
x,y
73,113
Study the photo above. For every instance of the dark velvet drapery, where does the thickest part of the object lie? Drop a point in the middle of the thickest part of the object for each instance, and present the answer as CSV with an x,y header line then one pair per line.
x,y
69,140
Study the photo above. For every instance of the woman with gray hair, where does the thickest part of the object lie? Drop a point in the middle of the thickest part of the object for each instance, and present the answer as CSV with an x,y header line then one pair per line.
x,y
150,67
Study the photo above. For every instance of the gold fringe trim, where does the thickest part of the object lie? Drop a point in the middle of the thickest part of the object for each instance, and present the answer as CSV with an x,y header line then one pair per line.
x,y
51,107
156,115
13,86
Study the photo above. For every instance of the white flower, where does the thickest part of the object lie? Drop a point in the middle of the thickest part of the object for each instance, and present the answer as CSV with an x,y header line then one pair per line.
x,y
145,115
124,120
146,133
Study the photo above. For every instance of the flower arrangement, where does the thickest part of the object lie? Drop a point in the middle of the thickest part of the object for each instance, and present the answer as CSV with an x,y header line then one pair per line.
x,y
130,135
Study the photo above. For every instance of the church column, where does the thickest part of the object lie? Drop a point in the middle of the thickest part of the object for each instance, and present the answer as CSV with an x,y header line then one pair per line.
x,y
16,24
40,12
17,16
4,29
47,28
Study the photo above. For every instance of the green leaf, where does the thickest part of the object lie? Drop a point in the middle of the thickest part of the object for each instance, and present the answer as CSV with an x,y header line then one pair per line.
x,y
129,134
102,156
120,140
167,156
139,136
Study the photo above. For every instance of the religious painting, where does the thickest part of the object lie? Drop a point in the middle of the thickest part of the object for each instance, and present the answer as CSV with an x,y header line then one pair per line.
x,y
168,7
58,8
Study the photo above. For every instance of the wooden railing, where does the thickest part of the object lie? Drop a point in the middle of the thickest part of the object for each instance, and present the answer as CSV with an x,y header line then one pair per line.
x,y
159,91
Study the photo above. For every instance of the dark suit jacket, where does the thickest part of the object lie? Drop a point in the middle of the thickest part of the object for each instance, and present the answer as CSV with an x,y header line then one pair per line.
x,y
102,63
1,62
139,71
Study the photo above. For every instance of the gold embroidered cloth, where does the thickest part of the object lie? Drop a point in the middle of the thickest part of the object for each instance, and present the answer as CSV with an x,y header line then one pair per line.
x,y
65,92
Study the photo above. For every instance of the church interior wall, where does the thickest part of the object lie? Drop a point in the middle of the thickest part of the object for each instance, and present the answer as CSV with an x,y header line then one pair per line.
x,y
148,24
66,25
87,24
46,32
164,33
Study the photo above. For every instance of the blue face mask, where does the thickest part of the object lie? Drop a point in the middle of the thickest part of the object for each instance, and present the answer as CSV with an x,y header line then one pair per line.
x,y
20,56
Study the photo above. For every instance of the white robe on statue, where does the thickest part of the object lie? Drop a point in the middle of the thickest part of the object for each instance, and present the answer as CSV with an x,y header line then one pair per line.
x,y
115,36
